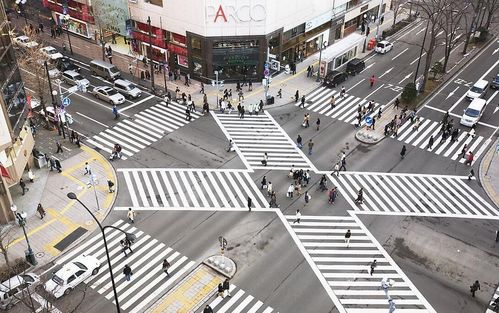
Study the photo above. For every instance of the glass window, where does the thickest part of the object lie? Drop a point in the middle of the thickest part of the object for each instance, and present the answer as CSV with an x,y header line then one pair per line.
x,y
195,43
157,2
235,44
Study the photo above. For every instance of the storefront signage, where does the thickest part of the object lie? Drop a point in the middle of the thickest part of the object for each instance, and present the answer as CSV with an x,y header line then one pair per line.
x,y
318,21
231,57
239,12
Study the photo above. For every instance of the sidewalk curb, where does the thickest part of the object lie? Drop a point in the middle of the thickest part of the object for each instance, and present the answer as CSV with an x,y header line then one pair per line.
x,y
485,180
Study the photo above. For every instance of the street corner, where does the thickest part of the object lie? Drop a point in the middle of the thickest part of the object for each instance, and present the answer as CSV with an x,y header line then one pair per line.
x,y
489,168
189,294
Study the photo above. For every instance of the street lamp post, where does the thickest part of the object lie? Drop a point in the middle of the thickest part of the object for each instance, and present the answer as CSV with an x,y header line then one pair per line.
x,y
72,196
150,54
50,85
421,51
216,84
66,25
21,219
320,59
379,18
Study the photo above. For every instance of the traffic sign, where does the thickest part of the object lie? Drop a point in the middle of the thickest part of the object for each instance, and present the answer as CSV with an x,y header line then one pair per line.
x,y
266,72
368,120
66,102
266,66
223,242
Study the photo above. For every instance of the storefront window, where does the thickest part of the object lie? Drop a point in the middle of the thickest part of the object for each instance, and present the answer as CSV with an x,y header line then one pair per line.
x,y
197,66
235,44
182,61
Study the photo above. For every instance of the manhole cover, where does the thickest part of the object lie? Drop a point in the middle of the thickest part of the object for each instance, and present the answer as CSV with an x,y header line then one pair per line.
x,y
40,255
90,222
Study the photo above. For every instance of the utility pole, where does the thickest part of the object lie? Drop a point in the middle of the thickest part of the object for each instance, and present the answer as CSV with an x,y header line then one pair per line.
x,y
320,59
150,55
421,51
379,18
267,75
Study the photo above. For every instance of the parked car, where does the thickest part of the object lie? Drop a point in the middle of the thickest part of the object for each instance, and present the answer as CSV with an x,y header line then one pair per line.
x,y
495,82
108,94
65,64
334,78
473,112
51,53
16,288
478,90
127,88
73,78
25,42
355,66
55,118
71,275
383,47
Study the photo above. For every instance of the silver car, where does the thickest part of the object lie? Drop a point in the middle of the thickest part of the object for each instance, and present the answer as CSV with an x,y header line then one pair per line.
x,y
108,94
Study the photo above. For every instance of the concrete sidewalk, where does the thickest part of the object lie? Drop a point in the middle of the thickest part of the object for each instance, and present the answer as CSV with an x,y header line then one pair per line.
x,y
489,173
66,221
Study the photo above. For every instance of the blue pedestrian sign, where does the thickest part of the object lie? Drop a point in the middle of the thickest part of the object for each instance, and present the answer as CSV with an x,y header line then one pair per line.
x,y
66,102
266,66
368,120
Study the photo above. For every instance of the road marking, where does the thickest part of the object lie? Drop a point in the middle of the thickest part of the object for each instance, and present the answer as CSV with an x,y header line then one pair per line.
x,y
360,81
400,54
386,72
367,67
408,75
421,30
415,60
451,93
95,121
369,95
136,103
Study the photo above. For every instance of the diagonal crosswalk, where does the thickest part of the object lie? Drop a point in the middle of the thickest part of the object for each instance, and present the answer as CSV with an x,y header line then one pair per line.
x,y
148,280
494,297
192,188
345,107
413,193
346,267
143,129
258,134
239,302
420,138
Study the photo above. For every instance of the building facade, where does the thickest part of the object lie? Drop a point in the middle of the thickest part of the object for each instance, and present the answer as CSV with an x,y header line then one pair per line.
x,y
16,142
235,37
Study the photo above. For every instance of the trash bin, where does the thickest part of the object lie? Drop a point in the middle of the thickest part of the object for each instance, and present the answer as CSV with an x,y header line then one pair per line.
x,y
270,100
40,161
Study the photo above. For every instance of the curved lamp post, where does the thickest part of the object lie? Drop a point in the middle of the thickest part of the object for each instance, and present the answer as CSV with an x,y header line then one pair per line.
x,y
131,237
21,220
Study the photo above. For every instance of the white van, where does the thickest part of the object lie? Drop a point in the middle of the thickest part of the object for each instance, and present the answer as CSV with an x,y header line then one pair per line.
x,y
15,289
478,90
127,88
104,69
473,113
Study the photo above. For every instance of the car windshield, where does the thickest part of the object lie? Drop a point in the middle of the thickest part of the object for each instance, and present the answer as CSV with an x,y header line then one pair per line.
x,y
497,78
80,265
380,45
476,89
51,51
28,278
114,70
57,280
79,77
472,112
112,92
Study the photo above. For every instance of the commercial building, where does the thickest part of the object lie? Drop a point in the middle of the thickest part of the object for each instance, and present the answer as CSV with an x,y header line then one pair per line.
x,y
234,37
16,142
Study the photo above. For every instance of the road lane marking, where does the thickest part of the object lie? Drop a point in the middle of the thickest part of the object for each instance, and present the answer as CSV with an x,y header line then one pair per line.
x,y
400,53
95,121
408,75
424,53
137,103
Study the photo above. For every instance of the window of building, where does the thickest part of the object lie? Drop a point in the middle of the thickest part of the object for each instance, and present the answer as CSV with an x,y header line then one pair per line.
x,y
293,32
338,10
235,44
156,2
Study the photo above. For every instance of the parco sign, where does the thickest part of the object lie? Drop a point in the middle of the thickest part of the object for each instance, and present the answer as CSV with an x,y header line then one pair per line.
x,y
238,13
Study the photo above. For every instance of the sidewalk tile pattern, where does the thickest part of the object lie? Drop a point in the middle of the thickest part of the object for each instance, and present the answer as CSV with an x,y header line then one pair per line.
x,y
412,193
192,188
143,129
258,134
148,280
347,268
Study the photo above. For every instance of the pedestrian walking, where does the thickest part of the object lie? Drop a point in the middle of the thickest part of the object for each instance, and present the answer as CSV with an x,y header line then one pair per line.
x,y
115,112
297,217
265,159
372,81
474,288
343,92
125,246
131,215
336,169
299,142
22,184
130,69
87,169
318,123
372,267
310,146
127,271
250,85
463,151
202,88
41,211
110,185
360,196
430,143
166,265
348,234
59,147
469,158
343,164
220,292
207,309
302,104
332,102
263,183
297,96
307,197
397,103
471,174
291,189
391,306
402,153
269,188
58,165
309,70
279,93
227,288
332,195
250,202
385,285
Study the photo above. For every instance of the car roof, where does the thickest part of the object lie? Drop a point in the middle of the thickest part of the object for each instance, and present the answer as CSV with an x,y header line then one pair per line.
x,y
123,81
481,82
384,41
104,87
355,61
70,72
13,282
477,104
70,268
23,37
48,47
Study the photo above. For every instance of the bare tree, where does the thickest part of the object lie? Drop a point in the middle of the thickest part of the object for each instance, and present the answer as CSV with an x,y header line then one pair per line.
x,y
474,9
396,5
451,23
6,238
492,8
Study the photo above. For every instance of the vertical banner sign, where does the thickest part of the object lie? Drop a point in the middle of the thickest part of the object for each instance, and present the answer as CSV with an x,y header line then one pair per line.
x,y
323,68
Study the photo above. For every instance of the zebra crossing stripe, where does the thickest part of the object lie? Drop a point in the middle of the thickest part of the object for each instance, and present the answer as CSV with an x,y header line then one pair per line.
x,y
238,302
494,297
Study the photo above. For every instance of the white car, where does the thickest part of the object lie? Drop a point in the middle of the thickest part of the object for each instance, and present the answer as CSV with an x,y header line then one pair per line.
x,y
72,274
25,42
51,53
383,47
55,118
108,94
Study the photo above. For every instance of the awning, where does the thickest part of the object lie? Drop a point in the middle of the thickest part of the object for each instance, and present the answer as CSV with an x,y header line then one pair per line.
x,y
341,46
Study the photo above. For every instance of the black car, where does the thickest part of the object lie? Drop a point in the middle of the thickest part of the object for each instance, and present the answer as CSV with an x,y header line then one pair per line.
x,y
355,66
65,64
334,78
495,82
